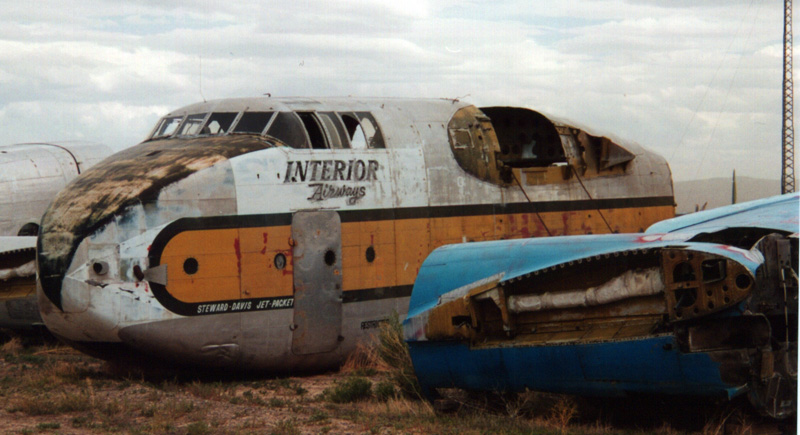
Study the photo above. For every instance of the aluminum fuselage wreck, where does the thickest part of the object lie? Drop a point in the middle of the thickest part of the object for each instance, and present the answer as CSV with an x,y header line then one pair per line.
x,y
31,174
701,305
276,233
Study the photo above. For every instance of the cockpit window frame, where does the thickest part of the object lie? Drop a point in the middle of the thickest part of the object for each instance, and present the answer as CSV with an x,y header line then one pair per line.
x,y
202,117
162,124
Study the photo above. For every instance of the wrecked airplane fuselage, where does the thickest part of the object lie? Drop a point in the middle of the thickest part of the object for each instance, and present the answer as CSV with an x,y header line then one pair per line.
x,y
276,233
31,174
704,305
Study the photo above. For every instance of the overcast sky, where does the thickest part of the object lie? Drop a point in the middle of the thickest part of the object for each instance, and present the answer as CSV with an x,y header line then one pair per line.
x,y
698,81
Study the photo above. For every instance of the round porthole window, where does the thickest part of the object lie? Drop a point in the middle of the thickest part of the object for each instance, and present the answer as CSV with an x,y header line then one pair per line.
x,y
370,254
330,257
280,261
190,266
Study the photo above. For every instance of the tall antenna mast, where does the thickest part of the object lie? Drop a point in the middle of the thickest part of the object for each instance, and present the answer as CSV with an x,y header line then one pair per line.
x,y
787,169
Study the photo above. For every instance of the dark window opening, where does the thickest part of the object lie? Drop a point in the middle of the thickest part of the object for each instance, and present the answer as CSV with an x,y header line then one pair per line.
x,y
218,123
288,129
526,138
354,131
253,122
337,136
314,130
29,229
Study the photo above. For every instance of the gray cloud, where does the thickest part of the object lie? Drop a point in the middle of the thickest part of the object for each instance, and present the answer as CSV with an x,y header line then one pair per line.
x,y
698,82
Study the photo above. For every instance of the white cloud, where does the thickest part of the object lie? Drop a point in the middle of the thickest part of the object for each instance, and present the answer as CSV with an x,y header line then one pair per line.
x,y
699,82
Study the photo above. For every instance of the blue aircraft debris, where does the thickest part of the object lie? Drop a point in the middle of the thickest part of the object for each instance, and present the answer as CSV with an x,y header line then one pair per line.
x,y
700,305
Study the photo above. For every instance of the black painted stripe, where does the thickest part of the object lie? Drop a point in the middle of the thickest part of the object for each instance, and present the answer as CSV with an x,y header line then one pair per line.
x,y
372,294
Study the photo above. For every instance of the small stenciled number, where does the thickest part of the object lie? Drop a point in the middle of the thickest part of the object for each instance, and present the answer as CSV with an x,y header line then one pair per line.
x,y
190,266
280,261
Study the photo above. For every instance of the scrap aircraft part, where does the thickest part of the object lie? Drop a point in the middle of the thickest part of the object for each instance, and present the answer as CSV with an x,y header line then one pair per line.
x,y
18,309
611,315
275,234
30,176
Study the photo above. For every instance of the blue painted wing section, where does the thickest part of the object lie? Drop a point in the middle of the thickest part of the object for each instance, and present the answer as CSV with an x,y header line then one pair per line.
x,y
777,213
650,365
453,266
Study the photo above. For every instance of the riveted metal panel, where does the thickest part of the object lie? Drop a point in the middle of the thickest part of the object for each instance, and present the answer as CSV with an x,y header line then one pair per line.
x,y
317,266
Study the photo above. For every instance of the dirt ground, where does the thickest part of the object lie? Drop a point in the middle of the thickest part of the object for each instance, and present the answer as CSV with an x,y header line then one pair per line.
x,y
50,388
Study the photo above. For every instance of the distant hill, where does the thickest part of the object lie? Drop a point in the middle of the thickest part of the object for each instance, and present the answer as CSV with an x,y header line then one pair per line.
x,y
717,192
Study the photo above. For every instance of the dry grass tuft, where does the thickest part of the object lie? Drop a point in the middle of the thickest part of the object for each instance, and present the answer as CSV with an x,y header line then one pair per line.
x,y
12,347
393,351
562,413
399,406
364,358
729,422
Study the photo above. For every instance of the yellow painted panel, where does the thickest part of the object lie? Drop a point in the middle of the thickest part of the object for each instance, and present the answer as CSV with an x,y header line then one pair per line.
x,y
351,233
260,277
352,261
205,241
205,289
413,246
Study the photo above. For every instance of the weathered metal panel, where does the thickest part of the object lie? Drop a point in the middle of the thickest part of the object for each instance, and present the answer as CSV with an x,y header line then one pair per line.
x,y
317,261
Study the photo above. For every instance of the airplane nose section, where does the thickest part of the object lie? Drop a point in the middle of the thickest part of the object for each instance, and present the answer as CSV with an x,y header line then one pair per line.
x,y
129,177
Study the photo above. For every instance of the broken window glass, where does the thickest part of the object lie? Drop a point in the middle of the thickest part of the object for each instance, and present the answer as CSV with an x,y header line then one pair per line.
x,y
219,123
167,126
335,130
354,131
191,127
253,122
371,130
288,129
314,130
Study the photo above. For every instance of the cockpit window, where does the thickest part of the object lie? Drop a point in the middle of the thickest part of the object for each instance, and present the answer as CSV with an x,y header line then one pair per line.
x,y
288,128
167,126
191,127
253,122
218,123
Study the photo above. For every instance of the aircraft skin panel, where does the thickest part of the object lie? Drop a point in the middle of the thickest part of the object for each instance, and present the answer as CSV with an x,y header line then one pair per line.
x,y
142,248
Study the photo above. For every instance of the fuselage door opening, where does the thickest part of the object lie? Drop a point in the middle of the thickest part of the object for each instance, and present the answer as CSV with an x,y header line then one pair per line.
x,y
317,263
